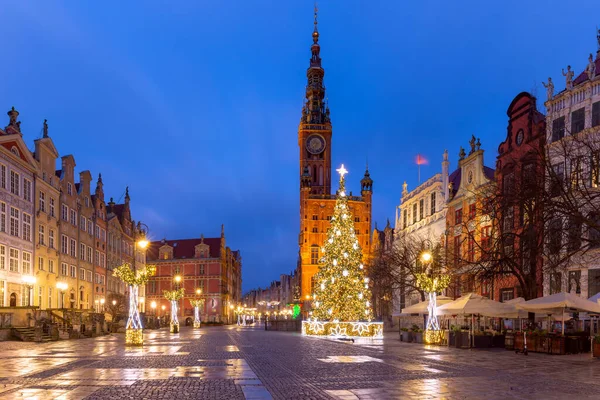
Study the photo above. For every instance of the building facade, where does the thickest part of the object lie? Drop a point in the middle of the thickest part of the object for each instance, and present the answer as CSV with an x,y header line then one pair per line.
x,y
316,200
100,246
518,168
205,267
46,223
573,152
17,208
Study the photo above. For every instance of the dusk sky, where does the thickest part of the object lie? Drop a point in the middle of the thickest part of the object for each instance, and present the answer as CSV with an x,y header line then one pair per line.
x,y
195,105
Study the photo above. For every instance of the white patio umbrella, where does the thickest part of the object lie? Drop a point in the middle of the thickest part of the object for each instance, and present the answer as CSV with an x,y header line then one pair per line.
x,y
559,302
475,304
421,308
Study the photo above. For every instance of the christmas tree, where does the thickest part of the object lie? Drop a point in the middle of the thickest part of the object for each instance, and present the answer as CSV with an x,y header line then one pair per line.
x,y
341,289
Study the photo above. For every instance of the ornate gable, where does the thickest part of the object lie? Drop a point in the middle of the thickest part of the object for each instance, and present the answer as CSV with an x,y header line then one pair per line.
x,y
201,250
165,252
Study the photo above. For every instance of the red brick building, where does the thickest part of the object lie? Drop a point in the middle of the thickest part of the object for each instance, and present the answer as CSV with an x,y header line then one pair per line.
x,y
201,263
517,167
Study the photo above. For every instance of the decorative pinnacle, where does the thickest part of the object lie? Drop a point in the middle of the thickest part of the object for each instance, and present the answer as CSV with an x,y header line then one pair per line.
x,y
342,171
316,31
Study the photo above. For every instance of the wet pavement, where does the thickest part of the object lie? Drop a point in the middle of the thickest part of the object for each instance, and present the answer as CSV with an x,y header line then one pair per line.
x,y
249,363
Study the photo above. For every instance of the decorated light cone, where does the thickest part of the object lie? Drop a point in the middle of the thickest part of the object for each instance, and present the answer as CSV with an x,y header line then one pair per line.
x,y
197,304
432,284
133,329
174,296
341,299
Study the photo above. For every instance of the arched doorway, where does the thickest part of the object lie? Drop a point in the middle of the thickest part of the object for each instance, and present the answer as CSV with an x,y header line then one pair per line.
x,y
13,299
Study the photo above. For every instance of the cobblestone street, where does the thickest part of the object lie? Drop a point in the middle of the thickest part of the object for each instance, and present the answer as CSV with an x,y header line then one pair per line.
x,y
249,363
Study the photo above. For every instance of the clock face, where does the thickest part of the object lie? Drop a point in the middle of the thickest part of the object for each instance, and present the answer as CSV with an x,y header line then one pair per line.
x,y
315,144
520,137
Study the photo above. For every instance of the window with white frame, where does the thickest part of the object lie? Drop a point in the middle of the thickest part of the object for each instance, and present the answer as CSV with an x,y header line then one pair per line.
x,y
73,271
73,217
26,263
102,260
90,277
3,176
2,259
82,223
27,189
42,201
52,207
40,263
82,274
64,244
97,258
87,201
64,212
82,251
40,294
51,239
42,235
97,231
14,183
14,221
49,297
13,260
69,188
64,269
27,227
73,247
51,266
2,217
90,227
89,254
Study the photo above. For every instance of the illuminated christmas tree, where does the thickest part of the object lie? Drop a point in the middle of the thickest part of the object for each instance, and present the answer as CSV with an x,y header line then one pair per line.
x,y
341,289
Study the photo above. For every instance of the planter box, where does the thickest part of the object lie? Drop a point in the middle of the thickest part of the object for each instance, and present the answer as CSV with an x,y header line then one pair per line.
x,y
571,345
482,341
406,336
542,344
557,345
596,349
462,340
452,339
509,341
418,337
498,341
518,341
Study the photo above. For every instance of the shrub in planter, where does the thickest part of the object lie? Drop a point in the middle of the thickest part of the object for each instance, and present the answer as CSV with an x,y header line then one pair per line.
x,y
596,346
417,335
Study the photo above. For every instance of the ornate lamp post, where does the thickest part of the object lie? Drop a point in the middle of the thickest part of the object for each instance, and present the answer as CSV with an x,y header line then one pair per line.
x,y
197,303
62,288
174,296
134,328
29,281
431,283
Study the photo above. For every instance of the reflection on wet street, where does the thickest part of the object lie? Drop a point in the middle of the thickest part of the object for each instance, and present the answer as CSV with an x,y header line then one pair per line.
x,y
250,363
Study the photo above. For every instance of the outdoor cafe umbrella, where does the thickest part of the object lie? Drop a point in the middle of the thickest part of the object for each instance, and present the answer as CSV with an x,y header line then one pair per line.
x,y
421,308
559,302
475,304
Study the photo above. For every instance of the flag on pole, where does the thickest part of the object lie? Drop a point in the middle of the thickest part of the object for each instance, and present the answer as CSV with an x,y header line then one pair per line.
x,y
421,160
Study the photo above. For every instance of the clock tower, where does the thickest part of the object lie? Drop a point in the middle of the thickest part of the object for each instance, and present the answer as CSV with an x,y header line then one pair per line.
x,y
316,200
314,132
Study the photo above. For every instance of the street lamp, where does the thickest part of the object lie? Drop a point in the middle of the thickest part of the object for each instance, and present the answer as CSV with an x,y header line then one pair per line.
x,y
114,302
102,301
62,287
198,291
177,278
426,256
29,281
153,306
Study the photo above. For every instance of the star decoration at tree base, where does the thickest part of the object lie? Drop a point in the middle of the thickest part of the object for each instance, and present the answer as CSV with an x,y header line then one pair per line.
x,y
343,329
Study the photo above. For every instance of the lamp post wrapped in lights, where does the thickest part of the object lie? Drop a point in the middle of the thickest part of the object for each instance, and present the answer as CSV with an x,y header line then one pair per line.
x,y
197,303
134,328
174,296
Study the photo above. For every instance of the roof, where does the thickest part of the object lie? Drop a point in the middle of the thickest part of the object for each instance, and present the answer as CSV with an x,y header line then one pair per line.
x,y
185,248
489,172
454,179
584,76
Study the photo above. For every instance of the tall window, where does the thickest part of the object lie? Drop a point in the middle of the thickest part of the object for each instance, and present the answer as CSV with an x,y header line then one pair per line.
x,y
2,260
421,208
432,203
82,274
69,188
593,282
64,244
27,227
97,258
42,201
596,113
2,217
314,255
509,218
405,219
471,249
89,254
73,271
82,251
558,179
14,221
486,239
40,263
64,212
73,217
558,129
51,266
73,247
577,121
555,282
14,183
52,207
64,269
414,213
458,216
13,260
83,223
201,269
26,263
574,283
457,251
508,184
555,235
573,233
3,176
27,189
49,297
51,239
577,179
472,211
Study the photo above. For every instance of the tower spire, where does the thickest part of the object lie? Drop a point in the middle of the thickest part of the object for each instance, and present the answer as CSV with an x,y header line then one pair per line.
x,y
316,31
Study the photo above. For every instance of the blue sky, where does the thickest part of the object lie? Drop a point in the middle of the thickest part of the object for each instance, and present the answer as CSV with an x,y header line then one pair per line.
x,y
195,104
